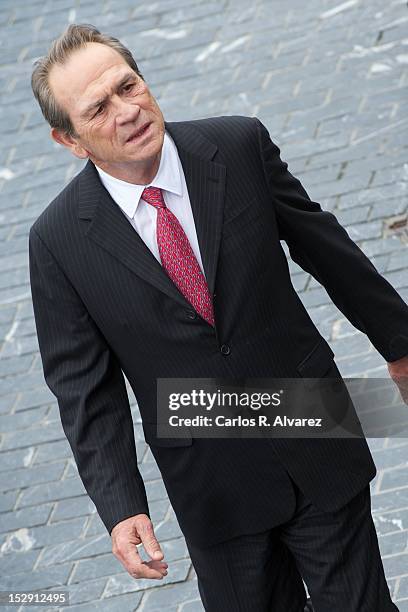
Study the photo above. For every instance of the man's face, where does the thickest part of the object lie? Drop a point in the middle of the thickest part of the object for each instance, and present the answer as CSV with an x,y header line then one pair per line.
x,y
108,103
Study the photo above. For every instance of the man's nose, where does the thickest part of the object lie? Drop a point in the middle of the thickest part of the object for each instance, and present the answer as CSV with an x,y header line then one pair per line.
x,y
125,111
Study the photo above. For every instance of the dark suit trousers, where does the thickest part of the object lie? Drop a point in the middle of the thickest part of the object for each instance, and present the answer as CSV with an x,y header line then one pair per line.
x,y
335,553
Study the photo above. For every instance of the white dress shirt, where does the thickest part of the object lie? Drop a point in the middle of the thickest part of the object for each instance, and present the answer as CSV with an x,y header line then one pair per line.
x,y
170,179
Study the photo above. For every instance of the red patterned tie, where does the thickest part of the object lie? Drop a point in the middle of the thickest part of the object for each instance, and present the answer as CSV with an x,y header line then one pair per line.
x,y
178,258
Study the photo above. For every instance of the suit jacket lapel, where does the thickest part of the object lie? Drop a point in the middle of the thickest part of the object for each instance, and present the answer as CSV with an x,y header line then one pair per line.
x,y
112,231
206,187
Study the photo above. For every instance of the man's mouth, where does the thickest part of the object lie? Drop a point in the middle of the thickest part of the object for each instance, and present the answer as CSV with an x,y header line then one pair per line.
x,y
139,133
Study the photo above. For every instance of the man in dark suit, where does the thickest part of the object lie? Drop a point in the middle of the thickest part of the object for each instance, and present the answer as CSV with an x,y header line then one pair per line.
x,y
162,259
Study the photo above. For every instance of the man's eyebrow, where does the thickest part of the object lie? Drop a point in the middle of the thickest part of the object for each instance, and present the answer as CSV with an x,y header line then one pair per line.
x,y
94,105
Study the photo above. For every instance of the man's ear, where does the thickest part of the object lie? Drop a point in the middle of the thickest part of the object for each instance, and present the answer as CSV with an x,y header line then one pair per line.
x,y
69,142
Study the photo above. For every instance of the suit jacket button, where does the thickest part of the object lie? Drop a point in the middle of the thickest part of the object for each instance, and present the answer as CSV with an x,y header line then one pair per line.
x,y
191,314
225,349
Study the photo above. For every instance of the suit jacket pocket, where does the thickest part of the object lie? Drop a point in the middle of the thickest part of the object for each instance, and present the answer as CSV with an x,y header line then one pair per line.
x,y
317,363
243,220
150,433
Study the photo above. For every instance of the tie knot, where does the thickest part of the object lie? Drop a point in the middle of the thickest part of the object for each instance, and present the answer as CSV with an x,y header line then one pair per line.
x,y
154,196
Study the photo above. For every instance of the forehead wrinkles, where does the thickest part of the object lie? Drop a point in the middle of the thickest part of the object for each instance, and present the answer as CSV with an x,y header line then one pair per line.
x,y
105,84
87,83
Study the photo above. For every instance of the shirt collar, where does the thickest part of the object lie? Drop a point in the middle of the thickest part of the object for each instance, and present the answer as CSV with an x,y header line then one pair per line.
x,y
127,195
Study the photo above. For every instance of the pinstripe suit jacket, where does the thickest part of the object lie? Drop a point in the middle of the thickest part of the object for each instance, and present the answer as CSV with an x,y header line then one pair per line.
x,y
104,306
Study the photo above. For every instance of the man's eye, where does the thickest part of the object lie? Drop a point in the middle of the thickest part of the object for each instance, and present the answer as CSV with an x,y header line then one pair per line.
x,y
128,87
99,110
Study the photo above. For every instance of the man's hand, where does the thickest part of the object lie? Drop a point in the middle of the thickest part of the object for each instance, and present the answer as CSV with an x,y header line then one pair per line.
x,y
126,535
399,373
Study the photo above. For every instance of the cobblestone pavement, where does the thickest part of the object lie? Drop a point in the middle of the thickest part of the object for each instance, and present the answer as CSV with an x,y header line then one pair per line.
x,y
329,79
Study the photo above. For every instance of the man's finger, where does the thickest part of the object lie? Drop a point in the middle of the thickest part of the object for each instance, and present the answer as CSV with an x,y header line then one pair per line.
x,y
149,541
146,571
131,560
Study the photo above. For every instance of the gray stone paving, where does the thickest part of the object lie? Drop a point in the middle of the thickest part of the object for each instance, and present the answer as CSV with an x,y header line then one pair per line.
x,y
329,79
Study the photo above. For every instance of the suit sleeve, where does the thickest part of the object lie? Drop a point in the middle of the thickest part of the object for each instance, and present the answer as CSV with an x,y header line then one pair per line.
x,y
83,373
322,247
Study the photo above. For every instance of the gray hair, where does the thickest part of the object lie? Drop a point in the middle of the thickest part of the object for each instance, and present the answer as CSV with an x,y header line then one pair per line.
x,y
74,37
